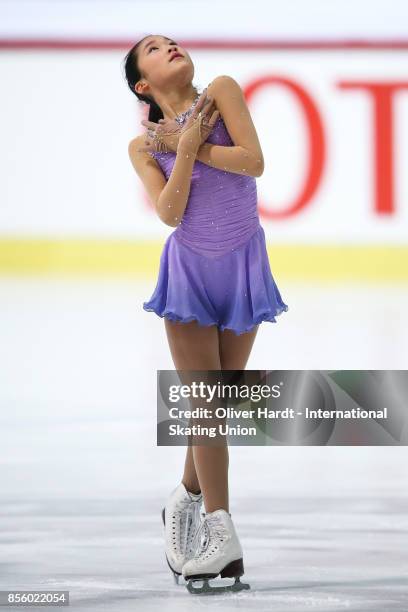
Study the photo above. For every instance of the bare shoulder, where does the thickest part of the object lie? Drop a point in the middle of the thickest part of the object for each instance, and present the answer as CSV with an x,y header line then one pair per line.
x,y
135,143
223,85
139,158
144,162
147,168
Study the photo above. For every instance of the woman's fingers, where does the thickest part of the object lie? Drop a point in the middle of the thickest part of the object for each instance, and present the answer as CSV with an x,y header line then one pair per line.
x,y
214,118
208,103
204,104
149,124
211,109
211,115
207,106
169,127
205,112
206,109
202,100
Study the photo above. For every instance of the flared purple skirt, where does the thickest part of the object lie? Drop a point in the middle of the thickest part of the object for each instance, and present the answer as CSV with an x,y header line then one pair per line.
x,y
234,291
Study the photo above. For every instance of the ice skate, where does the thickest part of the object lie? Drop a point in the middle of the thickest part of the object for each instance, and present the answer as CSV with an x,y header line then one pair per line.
x,y
217,552
181,518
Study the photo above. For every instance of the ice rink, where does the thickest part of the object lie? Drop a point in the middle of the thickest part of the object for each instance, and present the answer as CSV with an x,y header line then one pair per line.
x,y
83,482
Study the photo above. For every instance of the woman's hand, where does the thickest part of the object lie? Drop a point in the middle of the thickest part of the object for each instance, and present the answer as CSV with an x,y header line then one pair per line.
x,y
198,125
165,135
166,131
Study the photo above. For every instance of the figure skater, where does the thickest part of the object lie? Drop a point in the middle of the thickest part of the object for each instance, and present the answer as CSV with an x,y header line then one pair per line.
x,y
198,161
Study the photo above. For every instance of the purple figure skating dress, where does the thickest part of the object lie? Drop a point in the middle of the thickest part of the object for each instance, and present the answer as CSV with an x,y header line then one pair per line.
x,y
214,266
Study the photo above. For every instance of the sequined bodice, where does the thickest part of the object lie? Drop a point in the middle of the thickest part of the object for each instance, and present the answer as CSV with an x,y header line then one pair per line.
x,y
221,212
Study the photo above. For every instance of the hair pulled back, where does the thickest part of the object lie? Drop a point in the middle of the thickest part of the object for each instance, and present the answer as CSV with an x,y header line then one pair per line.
x,y
133,75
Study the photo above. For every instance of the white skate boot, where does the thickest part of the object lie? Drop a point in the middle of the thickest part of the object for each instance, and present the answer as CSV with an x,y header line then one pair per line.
x,y
181,518
217,551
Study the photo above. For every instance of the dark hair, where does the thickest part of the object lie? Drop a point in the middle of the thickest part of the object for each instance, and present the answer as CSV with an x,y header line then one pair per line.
x,y
133,75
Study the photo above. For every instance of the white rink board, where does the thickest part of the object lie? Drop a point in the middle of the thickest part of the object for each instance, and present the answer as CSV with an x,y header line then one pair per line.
x,y
66,126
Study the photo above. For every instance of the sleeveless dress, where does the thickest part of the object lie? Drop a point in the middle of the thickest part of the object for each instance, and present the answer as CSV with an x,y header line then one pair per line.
x,y
214,267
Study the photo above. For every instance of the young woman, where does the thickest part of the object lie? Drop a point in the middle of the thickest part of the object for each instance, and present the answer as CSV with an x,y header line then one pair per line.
x,y
198,162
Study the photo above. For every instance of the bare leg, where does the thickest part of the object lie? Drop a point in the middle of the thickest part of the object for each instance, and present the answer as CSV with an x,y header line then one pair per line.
x,y
235,350
190,479
195,347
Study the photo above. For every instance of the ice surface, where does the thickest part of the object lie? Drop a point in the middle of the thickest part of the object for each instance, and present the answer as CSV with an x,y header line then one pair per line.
x,y
83,483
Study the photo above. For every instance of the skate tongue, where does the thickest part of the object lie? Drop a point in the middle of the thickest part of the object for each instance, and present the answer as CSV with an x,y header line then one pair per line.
x,y
195,495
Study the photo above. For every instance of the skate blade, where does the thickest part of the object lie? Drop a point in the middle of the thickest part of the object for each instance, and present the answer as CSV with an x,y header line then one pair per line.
x,y
208,589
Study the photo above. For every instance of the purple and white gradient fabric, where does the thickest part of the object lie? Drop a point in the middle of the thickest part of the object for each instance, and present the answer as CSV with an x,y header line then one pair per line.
x,y
214,267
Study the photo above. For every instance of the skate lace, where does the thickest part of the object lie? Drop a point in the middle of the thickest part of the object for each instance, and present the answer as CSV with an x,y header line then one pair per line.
x,y
190,516
211,527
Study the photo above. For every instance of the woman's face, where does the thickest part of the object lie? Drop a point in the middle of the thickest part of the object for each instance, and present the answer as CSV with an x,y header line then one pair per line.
x,y
156,62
